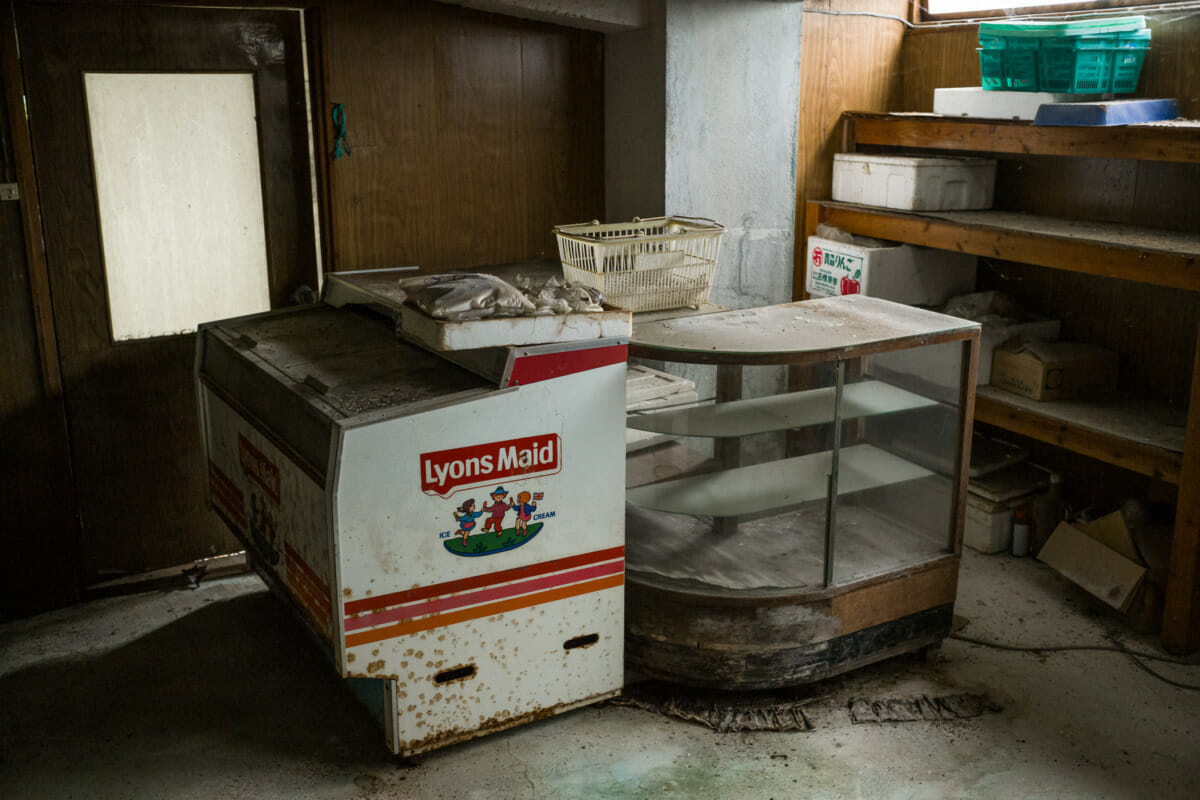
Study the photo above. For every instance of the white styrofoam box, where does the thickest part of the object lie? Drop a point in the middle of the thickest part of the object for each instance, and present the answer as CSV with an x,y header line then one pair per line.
x,y
902,273
914,184
988,526
975,101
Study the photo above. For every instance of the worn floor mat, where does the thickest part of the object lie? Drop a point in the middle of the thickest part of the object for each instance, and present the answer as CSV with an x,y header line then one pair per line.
x,y
921,707
721,711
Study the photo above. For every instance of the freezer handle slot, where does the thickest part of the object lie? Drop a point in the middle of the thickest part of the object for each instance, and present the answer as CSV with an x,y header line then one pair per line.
x,y
456,674
581,641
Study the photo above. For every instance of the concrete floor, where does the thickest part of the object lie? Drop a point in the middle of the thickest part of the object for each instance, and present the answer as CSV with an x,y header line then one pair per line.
x,y
217,693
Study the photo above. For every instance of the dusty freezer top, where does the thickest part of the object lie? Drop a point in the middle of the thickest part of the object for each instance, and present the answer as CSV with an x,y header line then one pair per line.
x,y
347,362
300,372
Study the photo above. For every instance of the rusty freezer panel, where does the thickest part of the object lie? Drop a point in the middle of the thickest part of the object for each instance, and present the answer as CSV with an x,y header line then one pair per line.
x,y
271,388
480,630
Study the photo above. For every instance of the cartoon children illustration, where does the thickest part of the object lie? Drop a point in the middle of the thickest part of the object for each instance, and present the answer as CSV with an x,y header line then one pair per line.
x,y
466,520
524,510
498,508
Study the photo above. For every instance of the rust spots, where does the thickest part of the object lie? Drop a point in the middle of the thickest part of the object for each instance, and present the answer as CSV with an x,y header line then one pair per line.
x,y
349,658
374,652
347,592
375,666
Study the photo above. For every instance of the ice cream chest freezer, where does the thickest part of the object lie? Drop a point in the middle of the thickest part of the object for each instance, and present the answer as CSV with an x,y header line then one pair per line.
x,y
448,522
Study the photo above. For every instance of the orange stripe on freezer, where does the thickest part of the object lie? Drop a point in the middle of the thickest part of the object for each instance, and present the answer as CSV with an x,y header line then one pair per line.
x,y
478,612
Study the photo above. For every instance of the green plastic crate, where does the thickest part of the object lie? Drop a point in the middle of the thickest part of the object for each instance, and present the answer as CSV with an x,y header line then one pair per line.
x,y
1058,57
1008,64
1127,62
1092,65
1063,30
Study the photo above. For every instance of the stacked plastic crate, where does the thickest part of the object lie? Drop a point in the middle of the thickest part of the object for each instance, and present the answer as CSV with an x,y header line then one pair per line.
x,y
1087,56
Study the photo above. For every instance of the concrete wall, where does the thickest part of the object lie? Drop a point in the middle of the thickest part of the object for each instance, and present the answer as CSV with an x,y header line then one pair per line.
x,y
730,72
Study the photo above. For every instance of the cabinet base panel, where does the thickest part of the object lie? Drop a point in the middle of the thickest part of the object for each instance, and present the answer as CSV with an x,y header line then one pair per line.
x,y
741,663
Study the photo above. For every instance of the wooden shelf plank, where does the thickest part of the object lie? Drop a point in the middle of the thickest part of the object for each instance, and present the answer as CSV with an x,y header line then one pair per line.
x,y
780,412
1138,435
1173,141
775,484
1160,258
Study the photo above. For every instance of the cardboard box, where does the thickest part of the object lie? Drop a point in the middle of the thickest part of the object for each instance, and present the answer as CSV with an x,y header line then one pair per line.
x,y
1099,570
901,273
1100,557
1054,370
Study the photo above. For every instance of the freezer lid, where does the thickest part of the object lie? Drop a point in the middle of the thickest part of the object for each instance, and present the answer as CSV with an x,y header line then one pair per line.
x,y
345,362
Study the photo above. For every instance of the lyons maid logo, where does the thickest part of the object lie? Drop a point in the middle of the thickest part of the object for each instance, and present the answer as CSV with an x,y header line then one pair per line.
x,y
445,472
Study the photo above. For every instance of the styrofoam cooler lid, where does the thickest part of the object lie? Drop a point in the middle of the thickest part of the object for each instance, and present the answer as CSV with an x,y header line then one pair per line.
x,y
1019,480
915,161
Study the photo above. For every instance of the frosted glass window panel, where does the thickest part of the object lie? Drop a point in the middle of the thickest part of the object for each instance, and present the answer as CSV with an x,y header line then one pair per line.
x,y
179,192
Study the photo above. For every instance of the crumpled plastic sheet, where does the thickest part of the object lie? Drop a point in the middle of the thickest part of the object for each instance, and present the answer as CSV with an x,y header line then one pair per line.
x,y
465,296
469,296
557,296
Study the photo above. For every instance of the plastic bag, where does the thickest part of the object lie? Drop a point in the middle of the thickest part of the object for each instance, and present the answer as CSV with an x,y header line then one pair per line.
x,y
458,296
556,296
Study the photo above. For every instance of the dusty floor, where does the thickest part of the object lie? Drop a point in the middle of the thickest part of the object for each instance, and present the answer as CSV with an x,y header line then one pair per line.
x,y
216,693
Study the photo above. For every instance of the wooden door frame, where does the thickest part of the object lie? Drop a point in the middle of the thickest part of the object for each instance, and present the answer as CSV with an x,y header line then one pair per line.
x,y
65,493
31,213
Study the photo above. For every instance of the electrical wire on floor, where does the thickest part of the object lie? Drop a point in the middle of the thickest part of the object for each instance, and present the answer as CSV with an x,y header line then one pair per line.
x,y
1135,656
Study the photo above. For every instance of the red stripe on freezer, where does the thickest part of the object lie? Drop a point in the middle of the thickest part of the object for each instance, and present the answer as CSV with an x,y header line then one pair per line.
x,y
480,581
480,612
483,596
543,367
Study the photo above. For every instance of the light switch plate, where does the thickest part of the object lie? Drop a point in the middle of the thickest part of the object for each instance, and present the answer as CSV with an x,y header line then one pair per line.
x,y
8,191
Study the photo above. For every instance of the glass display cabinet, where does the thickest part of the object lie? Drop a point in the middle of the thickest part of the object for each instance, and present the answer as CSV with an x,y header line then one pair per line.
x,y
799,512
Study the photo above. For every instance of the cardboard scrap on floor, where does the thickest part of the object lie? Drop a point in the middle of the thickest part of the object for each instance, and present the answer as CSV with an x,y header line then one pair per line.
x,y
908,709
1082,553
718,711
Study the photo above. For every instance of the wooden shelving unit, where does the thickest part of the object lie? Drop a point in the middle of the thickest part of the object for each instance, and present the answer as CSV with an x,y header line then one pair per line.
x,y
1175,141
1127,432
1159,258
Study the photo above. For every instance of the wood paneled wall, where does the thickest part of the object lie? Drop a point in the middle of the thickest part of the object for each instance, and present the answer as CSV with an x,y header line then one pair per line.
x,y
472,134
847,63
